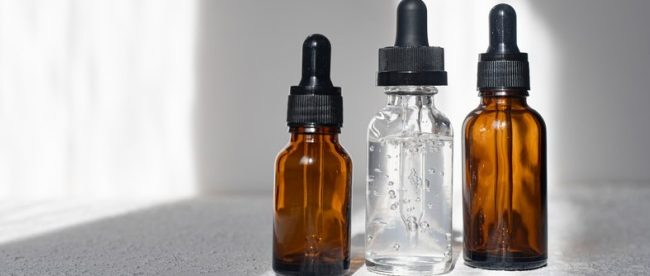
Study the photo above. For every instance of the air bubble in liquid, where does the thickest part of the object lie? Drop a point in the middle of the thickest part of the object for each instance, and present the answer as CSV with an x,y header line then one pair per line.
x,y
393,116
412,223
414,178
424,225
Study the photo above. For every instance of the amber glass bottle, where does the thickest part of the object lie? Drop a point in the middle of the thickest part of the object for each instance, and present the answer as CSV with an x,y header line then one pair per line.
x,y
504,190
312,204
311,225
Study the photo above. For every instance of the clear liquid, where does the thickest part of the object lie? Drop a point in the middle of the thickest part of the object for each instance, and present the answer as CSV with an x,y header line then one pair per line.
x,y
409,201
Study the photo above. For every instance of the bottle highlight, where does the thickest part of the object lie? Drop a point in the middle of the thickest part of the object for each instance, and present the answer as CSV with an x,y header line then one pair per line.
x,y
504,172
410,152
312,196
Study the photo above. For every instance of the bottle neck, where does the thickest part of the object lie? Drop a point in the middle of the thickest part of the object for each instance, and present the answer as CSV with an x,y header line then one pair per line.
x,y
313,134
504,98
411,90
410,95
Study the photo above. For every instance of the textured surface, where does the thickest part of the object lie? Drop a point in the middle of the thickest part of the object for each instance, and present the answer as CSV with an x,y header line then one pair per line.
x,y
597,229
208,236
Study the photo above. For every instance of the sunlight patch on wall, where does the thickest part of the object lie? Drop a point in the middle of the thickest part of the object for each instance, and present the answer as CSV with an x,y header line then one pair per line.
x,y
96,98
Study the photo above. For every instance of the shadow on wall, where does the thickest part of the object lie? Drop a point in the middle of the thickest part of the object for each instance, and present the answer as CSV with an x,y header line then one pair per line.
x,y
249,56
603,53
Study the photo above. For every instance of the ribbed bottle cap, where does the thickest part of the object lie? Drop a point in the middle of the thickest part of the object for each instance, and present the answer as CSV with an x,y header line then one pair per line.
x,y
315,101
503,66
411,61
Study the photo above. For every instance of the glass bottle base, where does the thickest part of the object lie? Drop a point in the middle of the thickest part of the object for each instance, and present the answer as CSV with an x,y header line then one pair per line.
x,y
307,268
394,265
500,262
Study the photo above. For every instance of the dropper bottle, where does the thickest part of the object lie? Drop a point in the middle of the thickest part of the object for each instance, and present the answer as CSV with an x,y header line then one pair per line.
x,y
311,222
504,179
409,190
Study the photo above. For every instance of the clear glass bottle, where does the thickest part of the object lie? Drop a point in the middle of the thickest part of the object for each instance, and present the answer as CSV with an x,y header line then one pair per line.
x,y
409,191
410,152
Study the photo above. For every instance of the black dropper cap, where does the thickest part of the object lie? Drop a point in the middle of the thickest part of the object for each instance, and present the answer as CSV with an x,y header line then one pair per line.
x,y
411,61
503,66
315,101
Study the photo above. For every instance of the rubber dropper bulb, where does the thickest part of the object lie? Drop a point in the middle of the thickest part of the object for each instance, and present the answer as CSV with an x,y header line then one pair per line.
x,y
503,66
503,30
412,24
316,55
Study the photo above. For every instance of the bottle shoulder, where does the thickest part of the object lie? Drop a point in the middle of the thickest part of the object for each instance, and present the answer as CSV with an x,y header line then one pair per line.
x,y
482,110
301,151
340,151
285,152
473,115
409,121
485,118
538,117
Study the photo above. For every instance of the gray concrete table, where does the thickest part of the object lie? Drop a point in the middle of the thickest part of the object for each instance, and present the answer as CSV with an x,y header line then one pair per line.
x,y
596,229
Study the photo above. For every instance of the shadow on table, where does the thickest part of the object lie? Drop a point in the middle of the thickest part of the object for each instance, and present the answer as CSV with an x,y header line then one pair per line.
x,y
596,229
457,245
357,260
224,236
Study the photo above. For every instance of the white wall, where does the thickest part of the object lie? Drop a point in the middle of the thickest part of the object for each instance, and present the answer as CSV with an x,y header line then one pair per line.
x,y
589,61
250,55
96,98
602,71
160,98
